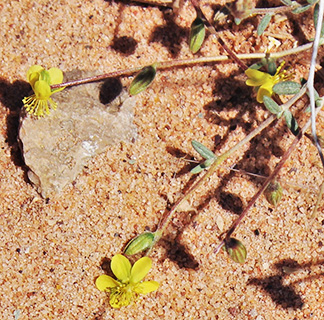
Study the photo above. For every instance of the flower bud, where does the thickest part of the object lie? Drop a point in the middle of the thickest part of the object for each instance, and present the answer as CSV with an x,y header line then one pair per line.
x,y
273,193
140,243
235,249
143,80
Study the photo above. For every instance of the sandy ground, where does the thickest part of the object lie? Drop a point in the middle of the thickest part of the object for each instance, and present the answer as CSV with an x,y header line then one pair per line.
x,y
53,249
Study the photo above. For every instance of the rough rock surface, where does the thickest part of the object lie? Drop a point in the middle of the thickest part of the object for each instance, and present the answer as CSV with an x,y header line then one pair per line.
x,y
88,120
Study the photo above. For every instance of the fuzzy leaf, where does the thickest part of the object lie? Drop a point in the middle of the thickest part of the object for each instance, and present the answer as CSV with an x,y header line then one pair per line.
x,y
202,166
271,105
287,2
202,150
301,9
291,122
286,87
197,35
264,23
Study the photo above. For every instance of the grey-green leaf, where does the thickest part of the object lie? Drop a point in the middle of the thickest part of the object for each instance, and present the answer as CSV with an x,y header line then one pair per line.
x,y
286,87
287,2
291,122
271,105
207,163
202,150
301,9
264,23
197,35
143,79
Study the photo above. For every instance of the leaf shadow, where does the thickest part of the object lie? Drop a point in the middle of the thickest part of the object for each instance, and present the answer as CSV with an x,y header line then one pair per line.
x,y
170,35
285,295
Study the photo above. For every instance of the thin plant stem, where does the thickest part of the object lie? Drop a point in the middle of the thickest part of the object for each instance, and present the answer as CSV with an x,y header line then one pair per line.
x,y
182,63
265,184
274,10
168,216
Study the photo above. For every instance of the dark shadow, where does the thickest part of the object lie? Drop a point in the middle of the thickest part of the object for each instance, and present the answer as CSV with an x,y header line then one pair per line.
x,y
170,34
11,95
281,294
125,45
190,163
105,266
229,201
179,254
110,90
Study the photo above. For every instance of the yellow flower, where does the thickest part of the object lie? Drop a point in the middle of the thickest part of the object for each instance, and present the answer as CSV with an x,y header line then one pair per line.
x,y
128,285
41,81
264,81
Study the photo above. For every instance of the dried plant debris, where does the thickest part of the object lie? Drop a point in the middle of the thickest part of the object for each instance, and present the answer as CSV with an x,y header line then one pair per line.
x,y
89,119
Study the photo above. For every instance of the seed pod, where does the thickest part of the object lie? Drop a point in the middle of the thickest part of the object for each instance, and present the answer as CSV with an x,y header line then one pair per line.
x,y
197,35
140,243
273,193
236,250
143,80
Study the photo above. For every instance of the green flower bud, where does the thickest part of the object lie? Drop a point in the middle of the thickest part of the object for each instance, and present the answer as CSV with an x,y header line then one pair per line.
x,y
143,80
236,250
197,35
140,243
273,193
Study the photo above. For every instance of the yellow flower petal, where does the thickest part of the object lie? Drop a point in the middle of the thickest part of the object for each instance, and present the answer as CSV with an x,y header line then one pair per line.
x,y
140,269
104,283
264,91
34,69
256,77
56,75
146,287
42,90
121,267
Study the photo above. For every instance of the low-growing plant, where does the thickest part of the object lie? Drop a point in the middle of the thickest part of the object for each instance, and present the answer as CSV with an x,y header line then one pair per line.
x,y
271,81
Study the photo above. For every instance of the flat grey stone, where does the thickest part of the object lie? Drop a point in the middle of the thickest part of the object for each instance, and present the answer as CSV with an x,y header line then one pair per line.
x,y
85,124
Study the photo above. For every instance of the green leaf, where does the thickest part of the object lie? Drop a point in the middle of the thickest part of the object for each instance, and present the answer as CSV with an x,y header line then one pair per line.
x,y
301,9
287,2
197,35
286,87
197,169
291,122
202,150
264,23
312,1
143,79
315,17
202,166
272,106
257,65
